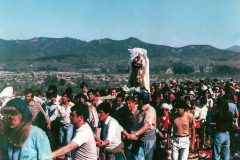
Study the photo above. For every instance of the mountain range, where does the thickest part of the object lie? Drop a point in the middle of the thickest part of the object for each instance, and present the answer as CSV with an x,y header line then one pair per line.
x,y
234,48
105,50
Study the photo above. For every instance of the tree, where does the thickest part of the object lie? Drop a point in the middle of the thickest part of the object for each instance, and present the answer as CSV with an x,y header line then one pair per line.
x,y
201,68
62,82
180,68
51,80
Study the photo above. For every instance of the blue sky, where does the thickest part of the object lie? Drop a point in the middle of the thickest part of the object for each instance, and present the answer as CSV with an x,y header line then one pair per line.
x,y
174,23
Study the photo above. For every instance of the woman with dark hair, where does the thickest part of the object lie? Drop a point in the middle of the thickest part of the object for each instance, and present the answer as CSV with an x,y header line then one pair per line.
x,y
221,141
81,98
23,140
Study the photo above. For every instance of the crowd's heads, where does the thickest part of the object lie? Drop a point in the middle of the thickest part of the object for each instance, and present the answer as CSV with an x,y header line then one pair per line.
x,y
113,92
83,84
181,104
201,82
81,110
103,92
203,101
84,87
130,102
53,97
157,96
91,94
105,107
144,97
194,102
52,88
69,90
97,93
27,91
37,92
121,96
187,99
28,95
68,96
191,94
166,106
171,97
80,98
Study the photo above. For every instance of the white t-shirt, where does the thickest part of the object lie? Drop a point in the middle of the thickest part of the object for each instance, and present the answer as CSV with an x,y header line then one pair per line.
x,y
112,132
87,145
196,113
203,113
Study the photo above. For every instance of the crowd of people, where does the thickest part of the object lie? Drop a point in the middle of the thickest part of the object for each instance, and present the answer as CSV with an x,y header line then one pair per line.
x,y
171,121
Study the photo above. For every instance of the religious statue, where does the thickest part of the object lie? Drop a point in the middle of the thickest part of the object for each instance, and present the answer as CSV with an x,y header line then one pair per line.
x,y
139,69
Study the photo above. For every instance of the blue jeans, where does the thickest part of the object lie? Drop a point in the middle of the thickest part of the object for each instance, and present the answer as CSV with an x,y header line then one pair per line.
x,y
65,136
221,143
144,150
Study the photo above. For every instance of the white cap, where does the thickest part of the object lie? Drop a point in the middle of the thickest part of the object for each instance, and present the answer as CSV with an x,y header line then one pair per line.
x,y
191,92
165,105
7,92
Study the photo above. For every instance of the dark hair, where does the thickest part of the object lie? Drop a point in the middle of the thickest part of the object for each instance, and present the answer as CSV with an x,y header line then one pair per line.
x,y
156,94
69,90
182,104
52,94
81,95
27,91
164,83
91,90
119,89
187,98
165,89
194,102
203,100
37,92
114,89
136,94
122,96
103,92
223,109
53,87
81,110
68,95
180,93
48,94
208,92
83,84
130,98
105,107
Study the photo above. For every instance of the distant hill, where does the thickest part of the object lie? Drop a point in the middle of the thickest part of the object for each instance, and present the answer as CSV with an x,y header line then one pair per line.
x,y
105,50
234,48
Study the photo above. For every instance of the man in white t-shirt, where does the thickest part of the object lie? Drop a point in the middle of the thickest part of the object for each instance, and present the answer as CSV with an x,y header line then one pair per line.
x,y
83,144
110,141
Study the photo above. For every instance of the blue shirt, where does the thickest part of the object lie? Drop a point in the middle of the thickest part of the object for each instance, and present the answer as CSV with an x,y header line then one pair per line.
x,y
36,147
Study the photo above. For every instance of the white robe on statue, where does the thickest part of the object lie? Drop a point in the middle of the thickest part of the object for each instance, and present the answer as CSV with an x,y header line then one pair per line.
x,y
145,76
